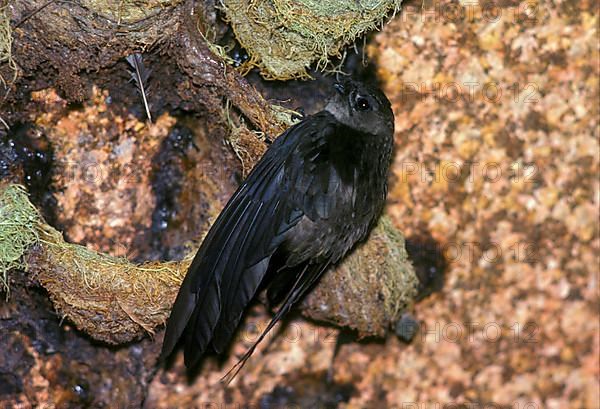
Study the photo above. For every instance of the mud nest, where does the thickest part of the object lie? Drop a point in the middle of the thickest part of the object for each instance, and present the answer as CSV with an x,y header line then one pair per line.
x,y
285,37
371,289
110,298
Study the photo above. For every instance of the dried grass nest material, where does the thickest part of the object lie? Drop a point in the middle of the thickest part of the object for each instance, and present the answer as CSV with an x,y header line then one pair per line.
x,y
6,44
371,289
109,298
116,301
284,37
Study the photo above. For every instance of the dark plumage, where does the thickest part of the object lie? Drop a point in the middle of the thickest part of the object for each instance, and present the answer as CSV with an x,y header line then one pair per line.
x,y
316,192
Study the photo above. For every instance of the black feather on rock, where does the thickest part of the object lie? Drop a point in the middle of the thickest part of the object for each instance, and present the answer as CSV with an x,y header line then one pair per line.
x,y
140,75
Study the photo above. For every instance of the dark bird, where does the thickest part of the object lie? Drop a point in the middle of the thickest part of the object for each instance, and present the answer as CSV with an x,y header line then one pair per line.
x,y
316,192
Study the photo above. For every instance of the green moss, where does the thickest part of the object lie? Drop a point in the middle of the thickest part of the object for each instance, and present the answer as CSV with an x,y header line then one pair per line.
x,y
284,115
284,37
18,221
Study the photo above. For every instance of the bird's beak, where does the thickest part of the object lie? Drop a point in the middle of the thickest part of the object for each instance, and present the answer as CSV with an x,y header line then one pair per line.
x,y
339,88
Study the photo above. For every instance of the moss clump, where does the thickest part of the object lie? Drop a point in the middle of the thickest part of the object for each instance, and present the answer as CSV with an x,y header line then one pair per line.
x,y
18,219
284,37
110,298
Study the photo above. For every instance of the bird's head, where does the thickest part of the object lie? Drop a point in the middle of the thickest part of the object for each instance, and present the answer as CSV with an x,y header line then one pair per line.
x,y
362,107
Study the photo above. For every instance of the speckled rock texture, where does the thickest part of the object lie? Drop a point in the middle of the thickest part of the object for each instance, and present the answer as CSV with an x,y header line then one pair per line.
x,y
497,158
496,109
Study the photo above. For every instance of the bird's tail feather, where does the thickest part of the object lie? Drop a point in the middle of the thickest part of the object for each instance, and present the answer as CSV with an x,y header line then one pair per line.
x,y
304,281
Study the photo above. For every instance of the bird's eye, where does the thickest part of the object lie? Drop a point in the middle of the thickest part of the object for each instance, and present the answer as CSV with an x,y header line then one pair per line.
x,y
362,104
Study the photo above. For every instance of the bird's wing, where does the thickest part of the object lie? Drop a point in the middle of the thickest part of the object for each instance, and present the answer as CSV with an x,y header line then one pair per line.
x,y
308,188
235,254
321,188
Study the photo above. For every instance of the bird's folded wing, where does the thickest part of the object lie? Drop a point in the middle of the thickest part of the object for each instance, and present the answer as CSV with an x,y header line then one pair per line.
x,y
235,254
